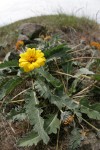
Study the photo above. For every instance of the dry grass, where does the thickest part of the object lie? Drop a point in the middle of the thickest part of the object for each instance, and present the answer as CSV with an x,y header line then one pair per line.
x,y
9,33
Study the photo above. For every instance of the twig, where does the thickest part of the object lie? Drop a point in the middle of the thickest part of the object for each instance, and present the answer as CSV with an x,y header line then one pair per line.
x,y
79,96
21,100
81,58
90,125
76,51
65,74
13,131
20,93
72,75
57,145
85,89
76,46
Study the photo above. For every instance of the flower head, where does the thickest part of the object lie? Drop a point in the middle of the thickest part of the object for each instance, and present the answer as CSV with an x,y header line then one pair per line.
x,y
19,44
95,44
31,59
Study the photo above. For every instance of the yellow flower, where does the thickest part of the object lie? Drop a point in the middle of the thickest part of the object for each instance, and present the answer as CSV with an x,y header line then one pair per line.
x,y
31,59
19,44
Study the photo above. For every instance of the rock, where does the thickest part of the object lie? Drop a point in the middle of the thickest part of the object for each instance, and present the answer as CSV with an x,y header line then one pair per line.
x,y
11,56
22,37
91,142
31,30
96,36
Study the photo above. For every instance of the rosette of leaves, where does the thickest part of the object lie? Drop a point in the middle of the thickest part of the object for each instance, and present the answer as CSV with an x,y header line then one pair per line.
x,y
46,97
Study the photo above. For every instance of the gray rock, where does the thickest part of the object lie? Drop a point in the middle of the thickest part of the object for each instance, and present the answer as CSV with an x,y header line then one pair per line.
x,y
96,36
91,142
22,37
31,30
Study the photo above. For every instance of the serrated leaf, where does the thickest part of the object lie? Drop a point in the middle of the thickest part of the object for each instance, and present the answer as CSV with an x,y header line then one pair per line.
x,y
45,92
9,86
54,81
75,139
59,101
52,124
19,117
6,64
55,51
30,139
63,101
93,111
16,114
34,115
42,88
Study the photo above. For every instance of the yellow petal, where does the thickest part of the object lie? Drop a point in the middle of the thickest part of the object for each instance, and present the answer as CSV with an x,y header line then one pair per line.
x,y
23,64
36,65
22,60
39,54
41,61
31,52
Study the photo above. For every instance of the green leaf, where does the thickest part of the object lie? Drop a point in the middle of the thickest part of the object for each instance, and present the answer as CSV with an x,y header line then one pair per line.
x,y
52,123
45,92
96,106
92,111
58,101
30,139
42,88
96,77
74,85
16,114
6,64
34,115
49,78
62,101
66,65
69,103
55,50
9,86
3,80
75,139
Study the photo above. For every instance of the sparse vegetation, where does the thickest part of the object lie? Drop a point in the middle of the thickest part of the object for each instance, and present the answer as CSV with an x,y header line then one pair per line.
x,y
9,33
58,99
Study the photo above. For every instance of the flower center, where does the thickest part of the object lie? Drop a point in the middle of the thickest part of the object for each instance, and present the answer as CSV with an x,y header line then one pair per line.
x,y
32,59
